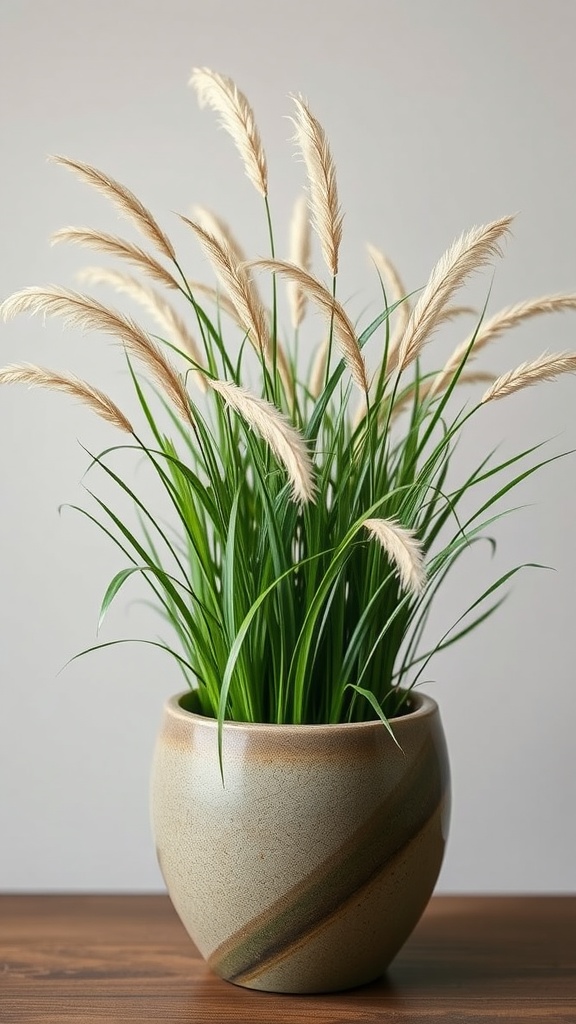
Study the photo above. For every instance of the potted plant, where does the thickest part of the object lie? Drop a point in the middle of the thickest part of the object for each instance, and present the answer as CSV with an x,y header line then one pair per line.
x,y
300,792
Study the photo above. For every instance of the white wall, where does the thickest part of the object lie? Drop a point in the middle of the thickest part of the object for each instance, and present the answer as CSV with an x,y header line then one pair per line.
x,y
441,114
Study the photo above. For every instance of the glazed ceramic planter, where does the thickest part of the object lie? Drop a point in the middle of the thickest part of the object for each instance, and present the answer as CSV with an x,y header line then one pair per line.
x,y
309,868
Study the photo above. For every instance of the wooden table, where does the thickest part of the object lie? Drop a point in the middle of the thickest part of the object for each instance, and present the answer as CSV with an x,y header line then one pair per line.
x,y
108,959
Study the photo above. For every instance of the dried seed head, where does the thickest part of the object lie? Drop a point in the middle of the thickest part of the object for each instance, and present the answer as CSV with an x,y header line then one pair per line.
x,y
511,316
300,256
318,370
39,377
403,549
156,305
324,203
493,328
395,290
548,366
426,388
332,310
468,253
287,444
113,246
86,313
124,200
237,117
220,230
239,285
284,372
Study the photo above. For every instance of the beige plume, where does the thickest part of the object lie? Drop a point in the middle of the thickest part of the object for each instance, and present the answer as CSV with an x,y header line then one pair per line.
x,y
452,313
156,305
114,246
269,423
284,372
237,117
239,285
394,287
331,309
518,313
395,292
548,366
221,231
218,228
318,370
39,377
247,307
300,255
87,314
426,389
502,321
468,253
124,200
403,549
224,303
324,204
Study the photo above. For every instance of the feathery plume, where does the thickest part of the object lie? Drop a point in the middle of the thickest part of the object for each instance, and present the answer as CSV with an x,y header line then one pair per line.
x,y
220,230
156,305
452,313
331,309
237,117
426,388
114,246
502,321
468,253
39,377
87,314
250,304
448,315
324,204
239,285
284,371
511,316
287,444
318,371
403,549
393,283
300,255
548,366
395,293
124,200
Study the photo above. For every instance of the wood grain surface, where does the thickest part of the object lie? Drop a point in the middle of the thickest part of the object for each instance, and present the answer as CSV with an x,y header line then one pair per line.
x,y
115,959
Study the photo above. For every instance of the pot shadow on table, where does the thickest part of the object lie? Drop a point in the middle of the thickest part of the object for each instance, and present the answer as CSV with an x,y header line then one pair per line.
x,y
405,977
453,960
404,997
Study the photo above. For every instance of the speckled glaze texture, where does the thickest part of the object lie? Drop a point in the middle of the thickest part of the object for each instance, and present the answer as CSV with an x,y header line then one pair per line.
x,y
309,868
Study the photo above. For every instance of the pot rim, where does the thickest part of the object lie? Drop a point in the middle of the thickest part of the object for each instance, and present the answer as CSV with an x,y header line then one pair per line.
x,y
425,707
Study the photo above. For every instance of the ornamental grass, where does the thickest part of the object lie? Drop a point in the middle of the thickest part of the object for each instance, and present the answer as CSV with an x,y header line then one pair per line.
x,y
314,518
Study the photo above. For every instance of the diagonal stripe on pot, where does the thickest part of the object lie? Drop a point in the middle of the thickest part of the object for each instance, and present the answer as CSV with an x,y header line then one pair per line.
x,y
323,894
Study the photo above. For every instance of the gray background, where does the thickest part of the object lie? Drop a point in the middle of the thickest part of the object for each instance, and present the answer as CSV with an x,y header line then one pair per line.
x,y
441,114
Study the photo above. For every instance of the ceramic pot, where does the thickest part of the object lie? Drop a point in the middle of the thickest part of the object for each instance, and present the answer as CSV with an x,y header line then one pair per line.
x,y
308,869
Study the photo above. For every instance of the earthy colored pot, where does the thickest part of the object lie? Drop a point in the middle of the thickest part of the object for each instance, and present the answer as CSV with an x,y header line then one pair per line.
x,y
309,868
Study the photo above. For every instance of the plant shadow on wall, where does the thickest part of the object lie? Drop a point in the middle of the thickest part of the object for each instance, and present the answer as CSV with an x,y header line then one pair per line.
x,y
314,519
